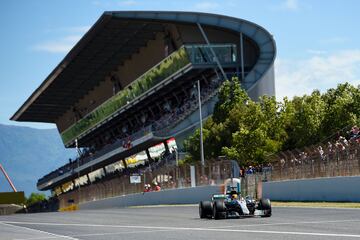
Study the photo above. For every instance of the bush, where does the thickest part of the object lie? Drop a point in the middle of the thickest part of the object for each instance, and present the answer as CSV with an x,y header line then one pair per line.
x,y
35,198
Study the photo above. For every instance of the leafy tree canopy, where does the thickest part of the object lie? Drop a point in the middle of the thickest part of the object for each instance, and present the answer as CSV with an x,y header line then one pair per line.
x,y
249,131
34,198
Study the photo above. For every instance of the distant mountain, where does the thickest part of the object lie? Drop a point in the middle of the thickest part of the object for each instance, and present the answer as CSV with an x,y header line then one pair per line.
x,y
27,154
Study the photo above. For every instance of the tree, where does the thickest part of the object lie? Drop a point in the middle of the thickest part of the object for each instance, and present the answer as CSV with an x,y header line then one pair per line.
x,y
304,125
342,106
249,131
230,94
34,198
257,131
217,132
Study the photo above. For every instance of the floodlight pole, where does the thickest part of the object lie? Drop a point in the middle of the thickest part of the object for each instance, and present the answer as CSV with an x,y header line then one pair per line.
x,y
78,165
201,127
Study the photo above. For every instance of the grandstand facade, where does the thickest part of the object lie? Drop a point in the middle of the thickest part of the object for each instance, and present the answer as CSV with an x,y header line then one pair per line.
x,y
126,89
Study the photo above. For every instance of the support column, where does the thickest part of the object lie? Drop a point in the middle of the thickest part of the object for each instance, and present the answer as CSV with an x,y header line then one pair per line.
x,y
176,97
88,178
125,164
166,147
130,123
152,113
205,80
137,119
212,50
242,57
201,126
158,105
185,92
148,156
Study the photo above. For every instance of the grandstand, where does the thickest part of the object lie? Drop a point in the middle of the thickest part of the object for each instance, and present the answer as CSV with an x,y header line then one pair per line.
x,y
125,96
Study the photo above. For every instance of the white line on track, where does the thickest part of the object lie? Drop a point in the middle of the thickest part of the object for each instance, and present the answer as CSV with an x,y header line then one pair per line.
x,y
97,234
288,223
51,235
192,229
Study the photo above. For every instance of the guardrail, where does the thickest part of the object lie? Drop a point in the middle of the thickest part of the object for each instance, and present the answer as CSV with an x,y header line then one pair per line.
x,y
161,128
170,65
187,54
316,162
163,174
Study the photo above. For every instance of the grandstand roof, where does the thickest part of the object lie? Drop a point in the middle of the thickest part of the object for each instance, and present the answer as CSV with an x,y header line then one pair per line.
x,y
111,41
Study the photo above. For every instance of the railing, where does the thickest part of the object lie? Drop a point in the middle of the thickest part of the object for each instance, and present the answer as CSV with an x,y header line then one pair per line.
x,y
195,54
83,160
164,130
316,162
167,177
145,82
201,53
160,128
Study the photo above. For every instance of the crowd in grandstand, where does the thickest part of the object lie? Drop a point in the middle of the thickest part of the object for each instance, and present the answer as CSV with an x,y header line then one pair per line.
x,y
165,157
171,116
329,151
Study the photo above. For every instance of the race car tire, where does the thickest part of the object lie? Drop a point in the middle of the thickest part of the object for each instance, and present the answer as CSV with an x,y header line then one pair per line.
x,y
219,210
265,205
205,209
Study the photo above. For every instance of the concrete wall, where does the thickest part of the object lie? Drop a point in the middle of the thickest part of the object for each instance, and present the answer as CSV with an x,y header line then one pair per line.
x,y
340,189
264,86
337,189
171,196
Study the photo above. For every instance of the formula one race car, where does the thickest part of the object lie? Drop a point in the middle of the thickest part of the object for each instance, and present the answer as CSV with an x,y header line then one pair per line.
x,y
232,205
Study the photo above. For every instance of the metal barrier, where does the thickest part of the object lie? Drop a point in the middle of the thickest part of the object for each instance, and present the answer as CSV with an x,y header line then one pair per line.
x,y
315,162
166,177
160,128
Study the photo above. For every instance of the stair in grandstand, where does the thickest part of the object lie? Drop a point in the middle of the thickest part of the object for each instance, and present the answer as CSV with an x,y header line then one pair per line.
x,y
168,131
147,136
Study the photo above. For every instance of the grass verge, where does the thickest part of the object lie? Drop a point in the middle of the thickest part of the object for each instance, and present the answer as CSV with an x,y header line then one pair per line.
x,y
276,204
316,204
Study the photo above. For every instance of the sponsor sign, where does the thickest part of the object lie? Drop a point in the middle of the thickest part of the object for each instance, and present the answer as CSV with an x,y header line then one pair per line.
x,y
135,179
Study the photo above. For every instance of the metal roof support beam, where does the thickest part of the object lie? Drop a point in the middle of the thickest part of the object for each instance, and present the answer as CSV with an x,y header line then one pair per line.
x,y
242,57
211,49
151,111
204,78
176,97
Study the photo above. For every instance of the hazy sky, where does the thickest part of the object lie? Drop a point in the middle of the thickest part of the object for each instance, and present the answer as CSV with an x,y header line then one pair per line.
x,y
317,40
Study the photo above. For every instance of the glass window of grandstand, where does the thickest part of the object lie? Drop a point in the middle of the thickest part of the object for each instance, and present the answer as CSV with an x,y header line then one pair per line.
x,y
202,53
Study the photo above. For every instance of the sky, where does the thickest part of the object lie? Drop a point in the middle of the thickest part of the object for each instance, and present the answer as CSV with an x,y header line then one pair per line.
x,y
318,41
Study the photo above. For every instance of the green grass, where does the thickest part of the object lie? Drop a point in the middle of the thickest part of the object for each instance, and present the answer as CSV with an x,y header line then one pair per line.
x,y
316,204
276,204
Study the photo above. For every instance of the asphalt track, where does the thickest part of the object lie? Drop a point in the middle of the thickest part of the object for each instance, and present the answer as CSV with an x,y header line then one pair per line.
x,y
181,222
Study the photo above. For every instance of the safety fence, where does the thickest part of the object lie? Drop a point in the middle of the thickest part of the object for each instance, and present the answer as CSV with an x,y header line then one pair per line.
x,y
312,162
159,128
331,160
167,177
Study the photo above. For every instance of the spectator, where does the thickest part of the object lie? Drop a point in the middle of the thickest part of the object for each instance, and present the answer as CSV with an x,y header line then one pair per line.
x,y
147,188
321,153
156,187
354,133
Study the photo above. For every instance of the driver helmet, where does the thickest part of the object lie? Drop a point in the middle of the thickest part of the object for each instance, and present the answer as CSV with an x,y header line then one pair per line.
x,y
234,196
